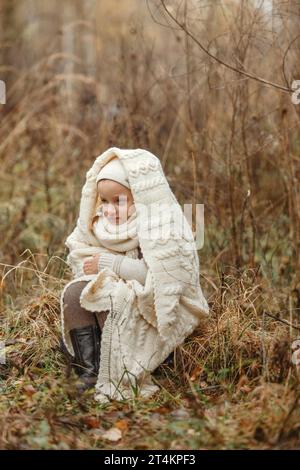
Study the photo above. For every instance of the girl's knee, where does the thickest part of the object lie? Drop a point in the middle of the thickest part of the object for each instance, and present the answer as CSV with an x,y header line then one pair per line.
x,y
72,293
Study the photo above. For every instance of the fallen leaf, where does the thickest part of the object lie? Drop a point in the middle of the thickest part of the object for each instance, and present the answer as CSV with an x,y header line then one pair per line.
x,y
180,413
245,389
91,421
162,410
113,434
29,390
196,373
122,424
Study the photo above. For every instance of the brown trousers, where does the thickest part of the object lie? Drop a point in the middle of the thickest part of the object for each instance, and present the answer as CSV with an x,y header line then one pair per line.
x,y
75,315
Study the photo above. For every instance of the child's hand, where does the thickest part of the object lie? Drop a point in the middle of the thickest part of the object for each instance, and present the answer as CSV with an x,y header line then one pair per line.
x,y
90,266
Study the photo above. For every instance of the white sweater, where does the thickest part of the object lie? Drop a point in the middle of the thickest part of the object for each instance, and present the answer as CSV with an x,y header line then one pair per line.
x,y
127,268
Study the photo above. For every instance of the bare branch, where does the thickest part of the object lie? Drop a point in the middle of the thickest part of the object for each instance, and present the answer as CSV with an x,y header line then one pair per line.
x,y
250,75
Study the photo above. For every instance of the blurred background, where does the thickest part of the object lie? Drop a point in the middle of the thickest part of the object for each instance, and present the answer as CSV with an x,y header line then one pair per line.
x,y
82,76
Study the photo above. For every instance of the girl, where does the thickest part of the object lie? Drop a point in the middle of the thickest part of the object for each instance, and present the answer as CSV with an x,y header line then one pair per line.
x,y
136,294
117,208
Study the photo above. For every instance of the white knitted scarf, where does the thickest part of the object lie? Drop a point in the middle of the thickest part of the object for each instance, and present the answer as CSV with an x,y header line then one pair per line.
x,y
117,237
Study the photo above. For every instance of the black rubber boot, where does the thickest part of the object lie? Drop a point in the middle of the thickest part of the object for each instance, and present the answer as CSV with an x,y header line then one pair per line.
x,y
169,361
86,345
62,348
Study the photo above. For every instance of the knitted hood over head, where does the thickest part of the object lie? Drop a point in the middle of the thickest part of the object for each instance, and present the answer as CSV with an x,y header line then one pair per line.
x,y
169,307
115,171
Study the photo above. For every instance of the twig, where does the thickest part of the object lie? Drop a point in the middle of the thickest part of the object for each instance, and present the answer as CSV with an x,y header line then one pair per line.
x,y
282,321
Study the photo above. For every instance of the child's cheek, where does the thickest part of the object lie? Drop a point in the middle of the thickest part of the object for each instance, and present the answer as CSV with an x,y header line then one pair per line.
x,y
131,210
122,212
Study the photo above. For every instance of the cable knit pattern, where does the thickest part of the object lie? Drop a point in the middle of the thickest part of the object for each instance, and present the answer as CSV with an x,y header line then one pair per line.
x,y
146,322
148,184
143,168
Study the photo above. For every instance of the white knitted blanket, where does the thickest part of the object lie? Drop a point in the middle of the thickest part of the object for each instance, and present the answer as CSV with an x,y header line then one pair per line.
x,y
145,323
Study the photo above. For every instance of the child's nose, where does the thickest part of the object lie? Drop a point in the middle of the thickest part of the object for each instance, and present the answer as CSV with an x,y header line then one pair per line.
x,y
110,210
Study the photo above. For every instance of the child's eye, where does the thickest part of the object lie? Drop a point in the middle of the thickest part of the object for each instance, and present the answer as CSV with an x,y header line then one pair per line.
x,y
122,200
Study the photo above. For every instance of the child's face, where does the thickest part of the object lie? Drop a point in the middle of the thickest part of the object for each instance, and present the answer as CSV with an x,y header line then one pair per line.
x,y
117,201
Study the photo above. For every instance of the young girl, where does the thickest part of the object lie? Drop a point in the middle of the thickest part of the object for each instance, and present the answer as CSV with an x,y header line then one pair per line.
x,y
136,294
117,208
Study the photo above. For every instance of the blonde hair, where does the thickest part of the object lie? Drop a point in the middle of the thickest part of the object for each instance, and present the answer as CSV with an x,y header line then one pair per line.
x,y
94,217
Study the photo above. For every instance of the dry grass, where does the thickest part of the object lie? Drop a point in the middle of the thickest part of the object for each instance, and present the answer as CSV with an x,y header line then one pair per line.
x,y
233,384
224,141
